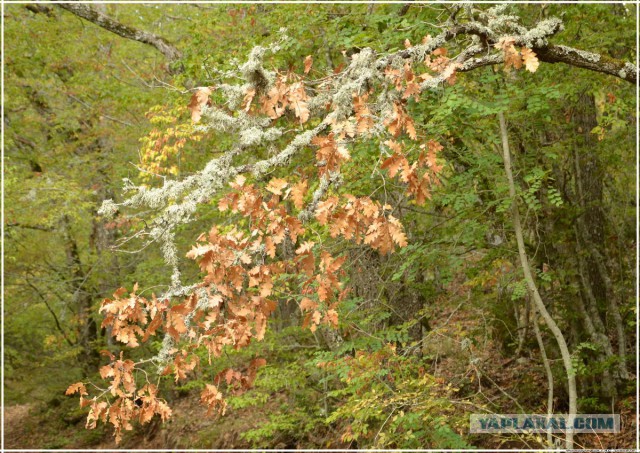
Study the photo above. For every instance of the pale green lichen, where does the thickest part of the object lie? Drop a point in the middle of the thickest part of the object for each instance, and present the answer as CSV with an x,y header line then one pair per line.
x,y
335,179
284,157
319,103
628,69
255,136
495,11
254,72
588,56
484,61
217,120
356,79
537,36
502,23
233,93
165,355
108,209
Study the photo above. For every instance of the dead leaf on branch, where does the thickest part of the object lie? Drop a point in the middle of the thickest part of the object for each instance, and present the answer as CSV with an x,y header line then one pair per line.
x,y
276,185
308,61
282,96
199,99
330,153
212,397
364,119
512,57
530,59
298,192
248,98
298,99
77,387
399,121
307,304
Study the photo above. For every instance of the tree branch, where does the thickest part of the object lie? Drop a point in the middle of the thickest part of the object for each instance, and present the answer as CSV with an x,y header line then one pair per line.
x,y
53,313
37,9
30,227
588,60
404,10
547,53
102,20
90,107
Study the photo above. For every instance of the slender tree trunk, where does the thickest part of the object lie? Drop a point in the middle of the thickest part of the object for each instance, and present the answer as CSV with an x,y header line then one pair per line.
x,y
82,300
604,347
522,320
594,325
547,369
533,289
103,238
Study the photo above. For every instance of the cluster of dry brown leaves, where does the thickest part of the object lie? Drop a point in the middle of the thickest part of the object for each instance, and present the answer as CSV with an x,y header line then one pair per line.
x,y
247,269
286,93
129,404
420,175
514,58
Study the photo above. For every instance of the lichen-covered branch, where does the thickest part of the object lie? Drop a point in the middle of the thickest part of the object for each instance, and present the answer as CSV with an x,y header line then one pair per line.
x,y
535,39
102,20
327,181
588,60
271,121
177,201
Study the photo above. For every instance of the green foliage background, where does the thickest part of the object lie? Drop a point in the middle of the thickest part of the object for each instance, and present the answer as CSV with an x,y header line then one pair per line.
x,y
76,103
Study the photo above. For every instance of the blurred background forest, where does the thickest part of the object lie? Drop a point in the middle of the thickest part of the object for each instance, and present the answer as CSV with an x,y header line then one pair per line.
x,y
437,331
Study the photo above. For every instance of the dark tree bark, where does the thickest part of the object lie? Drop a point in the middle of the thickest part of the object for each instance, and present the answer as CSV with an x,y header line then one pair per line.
x,y
591,225
589,182
404,10
37,9
82,298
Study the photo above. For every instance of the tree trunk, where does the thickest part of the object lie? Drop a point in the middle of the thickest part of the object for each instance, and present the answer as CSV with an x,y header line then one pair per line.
x,y
589,179
547,369
532,287
81,298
